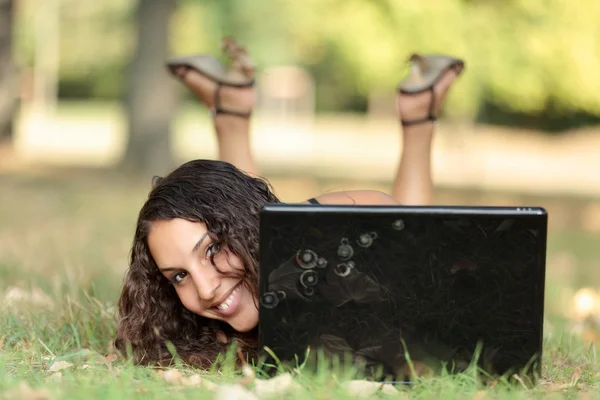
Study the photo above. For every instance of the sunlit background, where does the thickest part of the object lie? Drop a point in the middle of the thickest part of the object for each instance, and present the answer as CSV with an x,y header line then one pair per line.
x,y
520,126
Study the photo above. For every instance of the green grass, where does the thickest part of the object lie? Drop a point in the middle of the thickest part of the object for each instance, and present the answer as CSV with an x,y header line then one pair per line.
x,y
68,237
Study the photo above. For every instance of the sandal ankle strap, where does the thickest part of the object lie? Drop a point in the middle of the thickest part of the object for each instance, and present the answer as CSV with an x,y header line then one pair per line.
x,y
216,111
428,118
220,110
418,121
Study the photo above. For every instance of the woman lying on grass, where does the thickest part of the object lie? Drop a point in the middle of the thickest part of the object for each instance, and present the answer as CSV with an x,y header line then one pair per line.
x,y
193,278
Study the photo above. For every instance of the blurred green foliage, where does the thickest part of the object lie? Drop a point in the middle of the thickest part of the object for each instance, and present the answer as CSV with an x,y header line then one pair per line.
x,y
536,60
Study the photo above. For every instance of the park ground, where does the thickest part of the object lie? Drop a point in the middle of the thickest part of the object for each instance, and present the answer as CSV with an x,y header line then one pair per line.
x,y
66,228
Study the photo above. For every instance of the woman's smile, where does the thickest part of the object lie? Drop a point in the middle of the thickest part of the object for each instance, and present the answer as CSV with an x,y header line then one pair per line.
x,y
229,306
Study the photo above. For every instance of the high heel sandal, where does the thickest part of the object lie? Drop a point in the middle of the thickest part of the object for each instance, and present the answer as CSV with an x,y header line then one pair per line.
x,y
425,72
240,74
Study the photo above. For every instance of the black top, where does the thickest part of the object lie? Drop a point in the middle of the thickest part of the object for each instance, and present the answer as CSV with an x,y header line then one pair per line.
x,y
312,200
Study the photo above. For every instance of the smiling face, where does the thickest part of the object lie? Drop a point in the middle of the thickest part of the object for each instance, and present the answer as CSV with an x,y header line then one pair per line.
x,y
183,250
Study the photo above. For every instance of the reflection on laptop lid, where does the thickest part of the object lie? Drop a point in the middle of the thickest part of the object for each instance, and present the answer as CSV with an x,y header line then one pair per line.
x,y
447,285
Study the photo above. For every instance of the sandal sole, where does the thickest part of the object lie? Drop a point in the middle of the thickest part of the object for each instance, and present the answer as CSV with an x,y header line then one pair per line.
x,y
428,76
209,67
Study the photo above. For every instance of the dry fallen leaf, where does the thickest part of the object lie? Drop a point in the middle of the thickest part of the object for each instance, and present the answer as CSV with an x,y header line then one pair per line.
x,y
108,360
192,380
275,386
59,365
210,385
493,384
197,381
555,386
248,376
24,392
575,377
560,386
480,395
56,377
361,388
234,392
171,376
248,371
389,389
17,298
563,386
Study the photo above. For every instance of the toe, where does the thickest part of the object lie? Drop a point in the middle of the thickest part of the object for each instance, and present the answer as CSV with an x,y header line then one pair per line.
x,y
459,68
180,71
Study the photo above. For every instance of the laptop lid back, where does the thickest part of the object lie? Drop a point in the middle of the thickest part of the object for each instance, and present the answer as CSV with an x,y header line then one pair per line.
x,y
447,285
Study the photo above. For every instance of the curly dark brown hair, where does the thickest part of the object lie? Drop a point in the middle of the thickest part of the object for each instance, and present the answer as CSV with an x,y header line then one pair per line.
x,y
151,315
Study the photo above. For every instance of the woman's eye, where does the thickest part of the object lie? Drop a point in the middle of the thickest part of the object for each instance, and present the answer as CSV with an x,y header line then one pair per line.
x,y
178,277
213,249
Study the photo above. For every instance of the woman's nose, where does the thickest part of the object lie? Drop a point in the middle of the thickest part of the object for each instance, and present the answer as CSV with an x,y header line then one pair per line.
x,y
207,285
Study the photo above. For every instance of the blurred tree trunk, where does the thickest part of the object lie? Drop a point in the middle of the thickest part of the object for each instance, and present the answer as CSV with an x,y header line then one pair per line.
x,y
8,77
151,96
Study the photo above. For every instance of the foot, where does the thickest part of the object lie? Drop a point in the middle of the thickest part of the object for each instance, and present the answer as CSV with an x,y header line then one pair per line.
x,y
414,107
237,99
232,99
242,66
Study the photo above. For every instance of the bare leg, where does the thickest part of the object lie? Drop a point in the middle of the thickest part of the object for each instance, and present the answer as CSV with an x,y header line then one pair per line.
x,y
233,135
233,132
413,183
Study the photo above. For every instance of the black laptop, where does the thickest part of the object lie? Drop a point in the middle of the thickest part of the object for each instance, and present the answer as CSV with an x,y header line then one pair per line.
x,y
404,291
